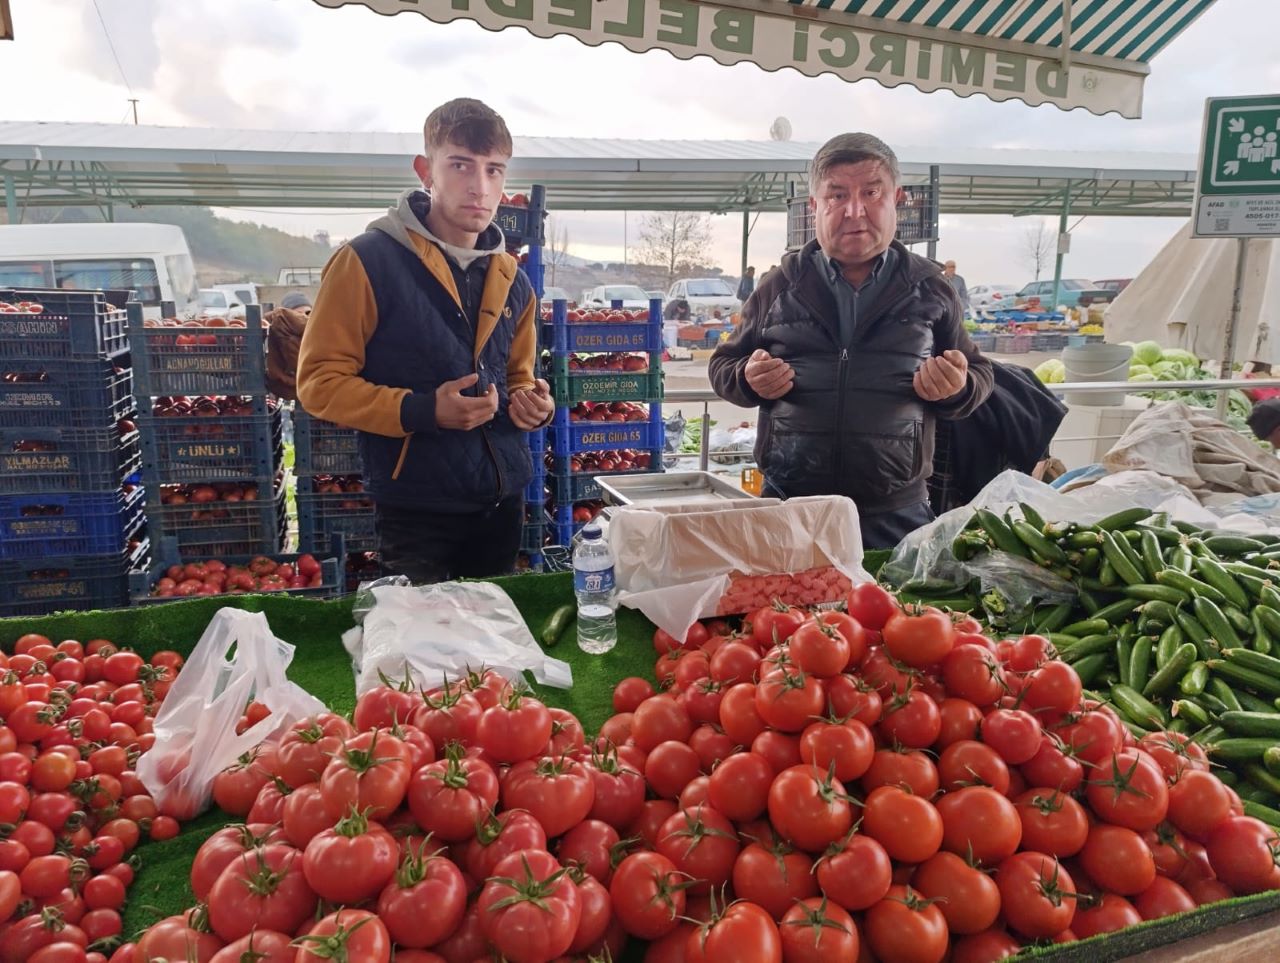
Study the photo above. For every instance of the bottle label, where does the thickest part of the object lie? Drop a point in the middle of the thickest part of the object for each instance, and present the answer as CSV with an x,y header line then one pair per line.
x,y
593,582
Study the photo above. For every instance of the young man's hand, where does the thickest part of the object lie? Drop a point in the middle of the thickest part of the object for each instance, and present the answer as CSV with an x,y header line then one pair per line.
x,y
530,408
942,377
463,412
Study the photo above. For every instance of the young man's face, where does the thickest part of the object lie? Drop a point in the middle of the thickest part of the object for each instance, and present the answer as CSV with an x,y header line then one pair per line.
x,y
465,187
856,211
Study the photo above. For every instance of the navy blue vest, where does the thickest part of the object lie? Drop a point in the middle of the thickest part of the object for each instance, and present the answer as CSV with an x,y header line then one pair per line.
x,y
424,339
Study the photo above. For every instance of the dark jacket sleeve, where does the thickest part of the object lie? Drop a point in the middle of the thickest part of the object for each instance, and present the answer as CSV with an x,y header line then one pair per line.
x,y
727,367
950,333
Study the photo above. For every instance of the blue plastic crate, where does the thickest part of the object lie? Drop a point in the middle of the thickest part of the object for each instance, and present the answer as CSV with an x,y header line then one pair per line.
x,y
536,490
74,324
198,360
95,523
53,583
38,460
321,515
65,394
323,448
533,535
562,337
208,528
198,449
569,437
561,477
332,557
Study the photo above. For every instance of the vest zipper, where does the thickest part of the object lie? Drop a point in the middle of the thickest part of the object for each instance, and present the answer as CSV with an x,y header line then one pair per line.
x,y
838,442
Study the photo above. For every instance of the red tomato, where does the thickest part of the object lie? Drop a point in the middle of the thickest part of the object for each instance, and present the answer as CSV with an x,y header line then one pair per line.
x,y
370,774
789,701
529,908
261,946
969,763
1037,894
907,826
739,786
980,823
1198,803
448,797
906,928
1163,897
773,877
1013,733
855,873
816,931
911,719
775,623
423,880
629,693
809,808
670,767
820,648
848,747
647,895
912,770
919,637
1052,822
871,605
1110,914
558,792
619,788
742,932
1242,852
351,862
738,715
969,898
242,899
305,750
347,934
1129,790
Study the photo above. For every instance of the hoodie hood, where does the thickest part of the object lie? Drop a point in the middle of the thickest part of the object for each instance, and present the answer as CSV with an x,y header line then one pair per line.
x,y
409,215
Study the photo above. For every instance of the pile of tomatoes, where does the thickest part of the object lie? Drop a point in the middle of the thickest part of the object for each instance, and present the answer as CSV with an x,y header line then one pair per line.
x,y
877,783
75,719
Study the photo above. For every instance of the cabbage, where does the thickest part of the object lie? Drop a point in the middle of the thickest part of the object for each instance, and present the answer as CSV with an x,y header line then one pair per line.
x,y
1051,372
1142,376
1137,369
1167,371
1147,352
1181,357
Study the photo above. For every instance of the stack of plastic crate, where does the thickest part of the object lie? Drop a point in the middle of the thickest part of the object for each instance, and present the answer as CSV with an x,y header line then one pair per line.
x,y
589,364
331,498
212,460
71,513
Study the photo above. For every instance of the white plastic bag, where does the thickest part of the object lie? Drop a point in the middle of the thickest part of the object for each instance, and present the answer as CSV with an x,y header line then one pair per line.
x,y
237,659
677,563
439,632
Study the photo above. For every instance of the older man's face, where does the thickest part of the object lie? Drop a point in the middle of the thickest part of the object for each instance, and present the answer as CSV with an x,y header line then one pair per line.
x,y
856,211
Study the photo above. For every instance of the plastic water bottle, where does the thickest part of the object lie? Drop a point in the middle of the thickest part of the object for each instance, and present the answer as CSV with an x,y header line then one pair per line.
x,y
593,585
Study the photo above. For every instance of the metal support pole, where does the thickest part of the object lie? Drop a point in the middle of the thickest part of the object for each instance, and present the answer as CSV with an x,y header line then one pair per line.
x,y
1233,322
932,248
1058,255
704,453
746,239
10,199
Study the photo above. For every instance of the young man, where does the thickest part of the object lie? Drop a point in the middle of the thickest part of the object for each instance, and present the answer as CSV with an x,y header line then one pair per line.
x,y
851,350
423,338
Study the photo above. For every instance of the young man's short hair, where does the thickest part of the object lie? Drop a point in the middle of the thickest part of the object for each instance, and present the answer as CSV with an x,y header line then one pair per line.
x,y
468,123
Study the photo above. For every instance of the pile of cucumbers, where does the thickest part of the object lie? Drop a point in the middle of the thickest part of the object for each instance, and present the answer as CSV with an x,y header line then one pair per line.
x,y
1177,627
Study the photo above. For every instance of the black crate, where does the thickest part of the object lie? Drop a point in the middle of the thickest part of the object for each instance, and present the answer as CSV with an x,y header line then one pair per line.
x,y
73,324
142,583
321,515
95,523
54,583
64,394
66,459
198,360
208,529
323,448
198,449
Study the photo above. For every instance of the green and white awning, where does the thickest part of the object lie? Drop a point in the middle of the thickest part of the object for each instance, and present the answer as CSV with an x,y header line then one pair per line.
x,y
1071,53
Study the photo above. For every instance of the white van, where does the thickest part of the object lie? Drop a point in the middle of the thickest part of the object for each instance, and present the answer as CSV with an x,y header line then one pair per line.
x,y
152,260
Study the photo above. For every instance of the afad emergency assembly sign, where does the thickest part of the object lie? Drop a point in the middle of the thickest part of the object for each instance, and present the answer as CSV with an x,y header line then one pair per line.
x,y
809,39
1238,184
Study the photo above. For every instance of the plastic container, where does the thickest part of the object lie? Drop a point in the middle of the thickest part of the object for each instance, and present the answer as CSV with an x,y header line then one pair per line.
x,y
196,449
198,360
66,459
74,324
255,526
321,515
332,564
98,523
569,437
562,337
323,448
64,394
594,587
569,387
1097,362
53,583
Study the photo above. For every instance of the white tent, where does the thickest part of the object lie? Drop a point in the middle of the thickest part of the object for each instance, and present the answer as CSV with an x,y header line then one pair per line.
x,y
1182,299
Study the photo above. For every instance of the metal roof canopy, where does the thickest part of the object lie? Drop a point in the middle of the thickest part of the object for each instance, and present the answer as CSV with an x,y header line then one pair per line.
x,y
54,165
1071,53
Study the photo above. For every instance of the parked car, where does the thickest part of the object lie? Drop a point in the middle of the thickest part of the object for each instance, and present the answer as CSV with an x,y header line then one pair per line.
x,y
706,295
632,296
990,297
557,294
1115,285
1072,293
216,303
243,292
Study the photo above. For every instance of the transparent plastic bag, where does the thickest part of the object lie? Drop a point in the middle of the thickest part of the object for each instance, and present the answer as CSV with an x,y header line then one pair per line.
x,y
237,659
440,632
1011,585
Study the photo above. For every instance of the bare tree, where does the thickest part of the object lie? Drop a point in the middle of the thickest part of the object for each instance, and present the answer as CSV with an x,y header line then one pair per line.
x,y
557,246
674,240
1039,246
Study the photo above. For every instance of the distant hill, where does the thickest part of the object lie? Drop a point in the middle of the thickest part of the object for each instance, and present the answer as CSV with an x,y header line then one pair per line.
x,y
223,250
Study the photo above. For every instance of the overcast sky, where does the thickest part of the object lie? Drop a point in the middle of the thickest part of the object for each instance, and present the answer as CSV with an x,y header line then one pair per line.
x,y
290,64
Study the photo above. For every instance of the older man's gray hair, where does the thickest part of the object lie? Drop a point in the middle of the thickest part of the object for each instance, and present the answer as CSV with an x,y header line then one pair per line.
x,y
853,149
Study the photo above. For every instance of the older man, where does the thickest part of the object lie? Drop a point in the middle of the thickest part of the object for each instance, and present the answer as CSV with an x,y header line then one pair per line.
x,y
851,349
956,282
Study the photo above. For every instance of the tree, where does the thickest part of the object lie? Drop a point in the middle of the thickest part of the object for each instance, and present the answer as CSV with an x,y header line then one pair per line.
x,y
557,246
1039,246
673,241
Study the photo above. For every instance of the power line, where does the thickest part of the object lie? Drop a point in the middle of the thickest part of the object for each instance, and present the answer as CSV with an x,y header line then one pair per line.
x,y
115,56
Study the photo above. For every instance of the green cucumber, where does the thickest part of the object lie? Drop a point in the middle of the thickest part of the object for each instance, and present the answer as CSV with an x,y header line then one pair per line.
x,y
1089,626
1214,574
1271,759
1219,689
1253,660
1240,723
1032,539
1195,633
1124,657
1033,517
1186,709
1233,544
1263,813
1054,618
1171,639
1123,519
1089,667
1157,593
1120,561
1138,709
1001,534
557,623
1195,678
1140,663
1192,587
1243,749
1152,560
1215,623
1175,668
1259,682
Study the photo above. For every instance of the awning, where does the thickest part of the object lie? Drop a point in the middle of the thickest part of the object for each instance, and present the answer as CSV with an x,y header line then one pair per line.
x,y
1071,53
6,21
